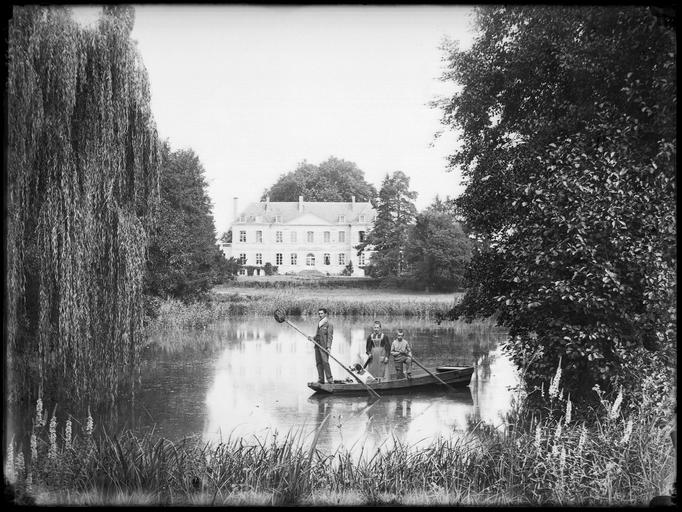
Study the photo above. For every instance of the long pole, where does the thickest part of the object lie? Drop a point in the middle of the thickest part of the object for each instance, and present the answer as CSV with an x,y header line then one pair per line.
x,y
433,374
339,362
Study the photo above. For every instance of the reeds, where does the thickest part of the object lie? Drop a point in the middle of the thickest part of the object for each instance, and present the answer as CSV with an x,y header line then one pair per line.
x,y
173,313
609,461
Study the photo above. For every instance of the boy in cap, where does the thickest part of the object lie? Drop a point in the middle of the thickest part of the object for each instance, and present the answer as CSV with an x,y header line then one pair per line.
x,y
402,355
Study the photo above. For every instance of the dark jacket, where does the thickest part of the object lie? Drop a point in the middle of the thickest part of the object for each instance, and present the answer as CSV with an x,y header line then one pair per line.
x,y
385,344
325,335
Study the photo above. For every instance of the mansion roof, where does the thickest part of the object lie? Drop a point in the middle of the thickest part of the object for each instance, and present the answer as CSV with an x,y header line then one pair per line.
x,y
289,212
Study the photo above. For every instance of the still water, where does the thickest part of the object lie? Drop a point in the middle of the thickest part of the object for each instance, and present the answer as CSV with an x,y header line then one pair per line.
x,y
247,377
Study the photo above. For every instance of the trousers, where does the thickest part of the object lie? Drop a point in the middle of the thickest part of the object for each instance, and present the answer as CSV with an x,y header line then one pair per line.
x,y
400,362
322,363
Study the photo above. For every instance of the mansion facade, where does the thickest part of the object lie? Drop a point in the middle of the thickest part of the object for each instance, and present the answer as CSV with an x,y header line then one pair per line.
x,y
297,236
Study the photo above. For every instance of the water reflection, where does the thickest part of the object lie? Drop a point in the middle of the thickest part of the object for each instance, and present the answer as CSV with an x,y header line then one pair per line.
x,y
247,377
260,386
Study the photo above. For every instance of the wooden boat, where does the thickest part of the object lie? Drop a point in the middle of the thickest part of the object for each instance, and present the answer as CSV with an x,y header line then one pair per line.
x,y
456,376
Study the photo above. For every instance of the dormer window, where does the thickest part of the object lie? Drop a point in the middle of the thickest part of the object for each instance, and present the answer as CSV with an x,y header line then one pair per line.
x,y
242,218
278,219
342,219
362,218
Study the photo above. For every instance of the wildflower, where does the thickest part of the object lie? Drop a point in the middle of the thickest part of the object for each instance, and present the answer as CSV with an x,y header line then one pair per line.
x,y
562,459
538,436
67,434
19,465
34,449
557,433
627,433
53,437
554,386
569,409
89,424
39,413
613,414
583,438
9,463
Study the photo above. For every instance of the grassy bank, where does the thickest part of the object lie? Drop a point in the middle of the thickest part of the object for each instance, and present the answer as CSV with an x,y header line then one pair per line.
x,y
226,302
613,460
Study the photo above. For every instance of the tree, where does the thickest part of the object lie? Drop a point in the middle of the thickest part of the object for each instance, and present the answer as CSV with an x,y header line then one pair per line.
x,y
388,237
332,180
226,237
438,250
568,118
348,269
82,179
184,260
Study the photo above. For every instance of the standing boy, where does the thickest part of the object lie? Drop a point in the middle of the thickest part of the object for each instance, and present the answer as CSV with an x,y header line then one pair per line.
x,y
324,337
402,355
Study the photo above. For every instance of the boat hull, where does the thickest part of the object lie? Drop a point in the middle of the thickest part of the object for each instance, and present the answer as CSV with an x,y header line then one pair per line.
x,y
456,377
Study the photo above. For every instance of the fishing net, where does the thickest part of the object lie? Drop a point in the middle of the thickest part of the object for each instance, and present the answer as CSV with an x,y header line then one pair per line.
x,y
280,315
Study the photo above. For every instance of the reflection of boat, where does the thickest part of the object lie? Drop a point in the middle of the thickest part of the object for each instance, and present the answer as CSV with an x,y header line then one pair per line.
x,y
454,376
461,395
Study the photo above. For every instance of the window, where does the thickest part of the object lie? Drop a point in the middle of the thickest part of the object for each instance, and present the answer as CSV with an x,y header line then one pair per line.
x,y
242,271
327,259
311,237
294,258
259,258
342,218
242,218
293,237
310,259
342,258
327,237
361,236
278,258
278,219
278,237
242,236
242,259
342,236
361,259
362,218
259,237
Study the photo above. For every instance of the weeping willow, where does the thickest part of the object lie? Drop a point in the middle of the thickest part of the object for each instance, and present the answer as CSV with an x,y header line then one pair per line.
x,y
82,192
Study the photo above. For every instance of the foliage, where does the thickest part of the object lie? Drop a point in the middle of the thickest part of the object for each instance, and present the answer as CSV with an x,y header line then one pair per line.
x,y
348,269
388,236
568,116
82,166
184,260
333,180
226,237
438,250
617,458
270,269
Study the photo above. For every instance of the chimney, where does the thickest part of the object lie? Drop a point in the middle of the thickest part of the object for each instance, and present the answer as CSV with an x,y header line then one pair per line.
x,y
236,211
300,203
352,203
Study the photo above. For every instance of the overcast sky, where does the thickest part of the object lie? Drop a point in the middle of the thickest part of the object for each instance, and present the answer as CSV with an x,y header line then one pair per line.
x,y
254,91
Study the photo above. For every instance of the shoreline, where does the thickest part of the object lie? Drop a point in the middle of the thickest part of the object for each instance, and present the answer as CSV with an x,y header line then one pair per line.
x,y
226,302
629,460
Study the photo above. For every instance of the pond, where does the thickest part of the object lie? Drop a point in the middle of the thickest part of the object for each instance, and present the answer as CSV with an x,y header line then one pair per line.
x,y
247,377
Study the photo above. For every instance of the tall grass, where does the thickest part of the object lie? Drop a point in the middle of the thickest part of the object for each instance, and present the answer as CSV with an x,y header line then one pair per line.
x,y
614,459
174,313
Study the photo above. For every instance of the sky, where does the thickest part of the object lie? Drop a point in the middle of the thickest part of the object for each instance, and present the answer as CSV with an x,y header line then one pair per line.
x,y
254,91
